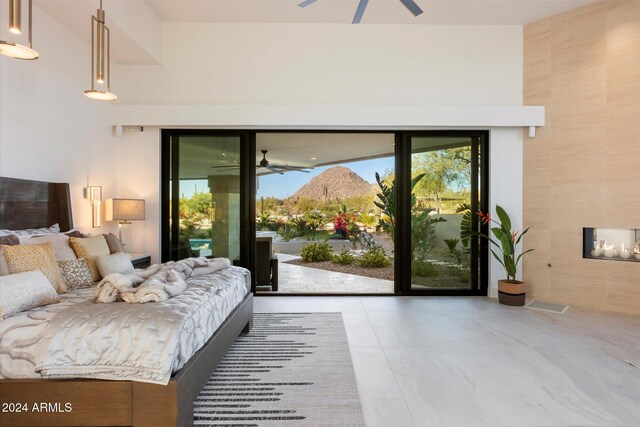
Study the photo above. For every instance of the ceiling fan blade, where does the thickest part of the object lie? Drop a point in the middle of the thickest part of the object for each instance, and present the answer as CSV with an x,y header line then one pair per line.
x,y
412,6
292,168
276,170
360,11
306,3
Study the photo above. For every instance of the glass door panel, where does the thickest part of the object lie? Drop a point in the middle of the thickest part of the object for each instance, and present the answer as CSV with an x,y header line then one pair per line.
x,y
444,194
204,200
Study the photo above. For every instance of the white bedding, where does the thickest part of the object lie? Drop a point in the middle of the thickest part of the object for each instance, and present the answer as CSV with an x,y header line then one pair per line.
x,y
205,304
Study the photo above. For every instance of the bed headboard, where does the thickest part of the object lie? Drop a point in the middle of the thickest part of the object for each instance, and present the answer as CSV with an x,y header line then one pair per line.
x,y
34,204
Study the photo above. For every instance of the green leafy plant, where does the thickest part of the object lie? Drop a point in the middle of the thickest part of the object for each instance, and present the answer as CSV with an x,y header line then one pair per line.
x,y
387,202
265,222
505,242
422,268
376,258
316,252
423,230
287,230
344,258
452,244
315,220
300,223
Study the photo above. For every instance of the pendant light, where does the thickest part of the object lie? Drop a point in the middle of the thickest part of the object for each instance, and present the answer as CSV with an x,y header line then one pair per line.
x,y
100,68
16,50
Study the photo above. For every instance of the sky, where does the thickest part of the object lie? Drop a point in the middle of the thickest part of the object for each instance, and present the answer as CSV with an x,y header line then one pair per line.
x,y
283,186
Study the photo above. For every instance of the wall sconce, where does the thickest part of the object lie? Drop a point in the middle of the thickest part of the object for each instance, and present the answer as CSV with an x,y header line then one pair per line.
x,y
94,194
16,50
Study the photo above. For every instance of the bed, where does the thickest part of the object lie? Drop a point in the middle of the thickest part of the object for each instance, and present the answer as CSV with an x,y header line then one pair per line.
x,y
34,204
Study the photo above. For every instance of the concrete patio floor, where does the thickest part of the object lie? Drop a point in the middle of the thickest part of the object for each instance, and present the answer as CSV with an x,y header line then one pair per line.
x,y
299,279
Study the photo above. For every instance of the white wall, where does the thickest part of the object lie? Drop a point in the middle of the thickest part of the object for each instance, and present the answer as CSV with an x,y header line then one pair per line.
x,y
330,64
48,129
505,189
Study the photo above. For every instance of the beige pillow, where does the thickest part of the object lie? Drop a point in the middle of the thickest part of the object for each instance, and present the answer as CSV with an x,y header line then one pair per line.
x,y
22,291
89,248
4,267
114,263
60,243
21,258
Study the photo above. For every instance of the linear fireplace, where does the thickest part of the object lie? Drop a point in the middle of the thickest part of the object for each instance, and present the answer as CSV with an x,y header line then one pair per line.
x,y
615,244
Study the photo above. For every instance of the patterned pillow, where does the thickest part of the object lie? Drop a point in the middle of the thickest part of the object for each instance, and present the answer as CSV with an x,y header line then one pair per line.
x,y
76,273
22,291
21,258
89,248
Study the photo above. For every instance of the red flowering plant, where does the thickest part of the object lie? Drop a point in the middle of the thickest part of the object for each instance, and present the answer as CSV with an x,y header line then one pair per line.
x,y
340,225
505,242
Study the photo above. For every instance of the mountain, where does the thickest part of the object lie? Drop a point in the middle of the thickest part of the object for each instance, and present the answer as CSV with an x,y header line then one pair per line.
x,y
337,182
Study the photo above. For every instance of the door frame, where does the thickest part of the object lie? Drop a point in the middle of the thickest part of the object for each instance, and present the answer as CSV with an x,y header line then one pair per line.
x,y
479,247
402,265
170,151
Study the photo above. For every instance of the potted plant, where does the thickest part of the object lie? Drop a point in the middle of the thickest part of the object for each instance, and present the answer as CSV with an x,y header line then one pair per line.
x,y
510,291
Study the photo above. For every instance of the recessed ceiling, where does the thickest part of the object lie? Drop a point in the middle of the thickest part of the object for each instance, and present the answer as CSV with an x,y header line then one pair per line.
x,y
436,12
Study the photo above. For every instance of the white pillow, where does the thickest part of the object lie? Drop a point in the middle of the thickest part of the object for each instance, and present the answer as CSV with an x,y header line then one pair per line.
x,y
114,263
55,228
22,291
60,243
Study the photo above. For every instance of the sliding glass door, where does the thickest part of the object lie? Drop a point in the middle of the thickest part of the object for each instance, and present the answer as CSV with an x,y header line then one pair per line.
x,y
205,209
443,187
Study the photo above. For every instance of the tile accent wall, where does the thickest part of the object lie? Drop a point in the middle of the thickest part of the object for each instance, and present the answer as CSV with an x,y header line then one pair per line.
x,y
583,168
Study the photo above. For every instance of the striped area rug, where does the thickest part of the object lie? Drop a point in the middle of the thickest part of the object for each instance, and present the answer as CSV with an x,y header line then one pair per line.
x,y
293,369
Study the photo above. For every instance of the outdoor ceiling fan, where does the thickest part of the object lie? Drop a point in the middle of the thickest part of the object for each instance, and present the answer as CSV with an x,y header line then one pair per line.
x,y
273,167
411,5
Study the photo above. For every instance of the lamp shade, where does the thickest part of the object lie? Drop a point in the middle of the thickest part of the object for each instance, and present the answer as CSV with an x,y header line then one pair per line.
x,y
124,209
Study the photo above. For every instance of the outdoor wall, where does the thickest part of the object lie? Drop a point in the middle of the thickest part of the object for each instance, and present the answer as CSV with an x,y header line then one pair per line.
x,y
583,167
48,129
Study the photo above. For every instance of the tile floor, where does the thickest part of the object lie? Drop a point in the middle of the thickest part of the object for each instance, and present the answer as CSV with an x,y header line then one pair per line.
x,y
468,361
298,279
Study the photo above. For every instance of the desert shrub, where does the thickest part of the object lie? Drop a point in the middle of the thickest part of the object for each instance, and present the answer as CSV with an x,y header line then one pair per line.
x,y
423,269
344,258
300,223
316,252
376,258
287,232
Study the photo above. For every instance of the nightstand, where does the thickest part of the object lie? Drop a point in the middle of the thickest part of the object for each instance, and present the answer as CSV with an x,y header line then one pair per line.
x,y
140,260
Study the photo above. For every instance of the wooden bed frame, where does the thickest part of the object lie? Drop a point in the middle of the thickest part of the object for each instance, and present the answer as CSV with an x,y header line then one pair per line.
x,y
35,204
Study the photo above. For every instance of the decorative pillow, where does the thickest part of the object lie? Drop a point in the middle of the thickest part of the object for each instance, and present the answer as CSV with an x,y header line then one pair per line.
x,y
22,258
89,248
115,245
4,267
9,240
114,263
74,233
22,291
55,228
60,243
76,273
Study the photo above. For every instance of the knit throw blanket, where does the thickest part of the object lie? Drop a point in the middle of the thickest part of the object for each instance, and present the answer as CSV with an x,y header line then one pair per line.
x,y
156,283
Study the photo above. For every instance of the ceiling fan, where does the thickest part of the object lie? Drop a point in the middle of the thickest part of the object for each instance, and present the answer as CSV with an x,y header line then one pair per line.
x,y
411,5
277,168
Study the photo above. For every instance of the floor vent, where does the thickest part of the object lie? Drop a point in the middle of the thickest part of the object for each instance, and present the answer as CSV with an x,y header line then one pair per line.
x,y
634,363
547,306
